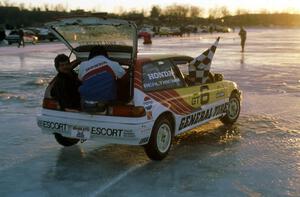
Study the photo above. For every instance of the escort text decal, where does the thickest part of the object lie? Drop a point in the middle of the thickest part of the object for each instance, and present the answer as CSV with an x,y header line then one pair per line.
x,y
52,125
106,131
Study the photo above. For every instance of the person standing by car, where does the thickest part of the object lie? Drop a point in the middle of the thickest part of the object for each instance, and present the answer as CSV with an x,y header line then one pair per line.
x,y
243,35
98,76
66,84
21,38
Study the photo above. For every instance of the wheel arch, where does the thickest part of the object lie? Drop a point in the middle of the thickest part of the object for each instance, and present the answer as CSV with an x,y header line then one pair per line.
x,y
170,116
236,91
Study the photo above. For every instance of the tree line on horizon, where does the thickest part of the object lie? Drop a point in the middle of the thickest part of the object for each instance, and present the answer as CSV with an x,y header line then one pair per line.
x,y
172,15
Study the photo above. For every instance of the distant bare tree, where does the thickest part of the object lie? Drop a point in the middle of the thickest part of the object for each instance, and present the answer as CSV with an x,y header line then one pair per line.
x,y
218,12
36,9
155,11
264,11
60,8
22,6
214,13
46,7
135,12
120,10
176,10
196,11
225,11
240,11
7,3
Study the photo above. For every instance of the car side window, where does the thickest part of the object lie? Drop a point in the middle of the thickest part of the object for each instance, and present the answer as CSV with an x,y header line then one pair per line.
x,y
160,75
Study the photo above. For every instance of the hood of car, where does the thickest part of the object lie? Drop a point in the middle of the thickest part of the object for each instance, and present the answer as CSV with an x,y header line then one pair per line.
x,y
82,33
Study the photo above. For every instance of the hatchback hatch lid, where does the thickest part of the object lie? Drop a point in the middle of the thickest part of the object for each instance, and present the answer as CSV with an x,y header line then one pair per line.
x,y
82,33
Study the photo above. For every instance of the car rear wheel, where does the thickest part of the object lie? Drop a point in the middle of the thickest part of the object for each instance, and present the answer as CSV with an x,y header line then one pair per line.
x,y
161,139
65,141
233,110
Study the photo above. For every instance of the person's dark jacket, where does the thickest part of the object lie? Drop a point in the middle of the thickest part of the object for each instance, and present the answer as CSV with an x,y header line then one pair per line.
x,y
65,90
2,35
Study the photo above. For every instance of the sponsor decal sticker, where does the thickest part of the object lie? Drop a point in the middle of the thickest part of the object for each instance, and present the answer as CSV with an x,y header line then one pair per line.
x,y
128,133
148,103
144,140
202,116
220,94
106,131
80,132
52,125
149,115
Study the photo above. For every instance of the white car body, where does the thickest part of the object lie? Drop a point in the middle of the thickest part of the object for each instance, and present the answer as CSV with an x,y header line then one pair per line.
x,y
160,105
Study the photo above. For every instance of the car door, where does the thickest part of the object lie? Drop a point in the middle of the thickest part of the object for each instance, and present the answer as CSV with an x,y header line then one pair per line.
x,y
199,96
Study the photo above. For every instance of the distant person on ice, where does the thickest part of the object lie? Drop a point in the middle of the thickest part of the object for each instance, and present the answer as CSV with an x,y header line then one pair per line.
x,y
21,38
243,35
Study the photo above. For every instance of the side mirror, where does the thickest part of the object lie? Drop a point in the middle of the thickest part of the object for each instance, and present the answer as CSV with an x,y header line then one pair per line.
x,y
218,77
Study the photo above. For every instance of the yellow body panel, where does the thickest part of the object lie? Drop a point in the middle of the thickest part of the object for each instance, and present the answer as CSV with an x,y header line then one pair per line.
x,y
199,95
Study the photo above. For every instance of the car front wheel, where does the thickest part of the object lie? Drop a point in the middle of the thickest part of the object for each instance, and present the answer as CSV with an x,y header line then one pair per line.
x,y
65,141
161,139
233,110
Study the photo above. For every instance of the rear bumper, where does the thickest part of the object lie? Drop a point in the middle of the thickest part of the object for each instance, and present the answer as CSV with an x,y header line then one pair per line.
x,y
108,129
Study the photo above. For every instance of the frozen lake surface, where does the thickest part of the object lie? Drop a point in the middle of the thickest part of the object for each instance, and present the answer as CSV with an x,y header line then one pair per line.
x,y
258,156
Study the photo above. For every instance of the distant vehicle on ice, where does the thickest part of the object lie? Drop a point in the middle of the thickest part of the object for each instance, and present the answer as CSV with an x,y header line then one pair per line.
x,y
14,37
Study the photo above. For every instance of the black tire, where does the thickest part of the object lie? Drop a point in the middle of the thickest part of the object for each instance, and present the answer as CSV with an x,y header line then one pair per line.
x,y
161,138
65,141
233,110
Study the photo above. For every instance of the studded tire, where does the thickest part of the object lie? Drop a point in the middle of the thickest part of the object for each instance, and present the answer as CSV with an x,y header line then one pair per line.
x,y
233,111
160,141
65,141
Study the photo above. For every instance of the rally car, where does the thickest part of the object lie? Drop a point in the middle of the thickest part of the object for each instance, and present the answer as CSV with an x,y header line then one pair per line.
x,y
157,99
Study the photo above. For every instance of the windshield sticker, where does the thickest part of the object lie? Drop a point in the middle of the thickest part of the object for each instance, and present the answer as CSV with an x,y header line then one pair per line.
x,y
161,83
159,75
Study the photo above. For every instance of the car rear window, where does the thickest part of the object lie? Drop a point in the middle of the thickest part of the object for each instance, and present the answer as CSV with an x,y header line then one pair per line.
x,y
160,75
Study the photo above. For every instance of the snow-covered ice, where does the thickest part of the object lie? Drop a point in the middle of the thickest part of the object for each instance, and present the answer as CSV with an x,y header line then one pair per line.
x,y
258,156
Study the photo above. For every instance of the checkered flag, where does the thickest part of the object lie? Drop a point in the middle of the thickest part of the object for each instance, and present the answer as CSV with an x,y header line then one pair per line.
x,y
200,66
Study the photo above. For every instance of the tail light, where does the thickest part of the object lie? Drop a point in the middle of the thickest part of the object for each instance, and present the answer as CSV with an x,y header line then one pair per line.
x,y
50,104
127,110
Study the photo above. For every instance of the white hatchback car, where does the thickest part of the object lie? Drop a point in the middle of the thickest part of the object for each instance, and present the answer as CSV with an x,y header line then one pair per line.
x,y
155,102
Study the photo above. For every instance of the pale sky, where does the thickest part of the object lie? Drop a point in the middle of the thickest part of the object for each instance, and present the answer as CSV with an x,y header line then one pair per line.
x,y
127,5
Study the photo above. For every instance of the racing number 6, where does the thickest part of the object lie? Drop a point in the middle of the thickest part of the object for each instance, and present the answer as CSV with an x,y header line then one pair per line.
x,y
204,95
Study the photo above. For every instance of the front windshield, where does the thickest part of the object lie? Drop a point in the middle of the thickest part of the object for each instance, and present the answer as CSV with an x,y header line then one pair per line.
x,y
82,35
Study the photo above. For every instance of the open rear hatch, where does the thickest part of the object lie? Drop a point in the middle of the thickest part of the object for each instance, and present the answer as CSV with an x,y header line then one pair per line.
x,y
80,35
